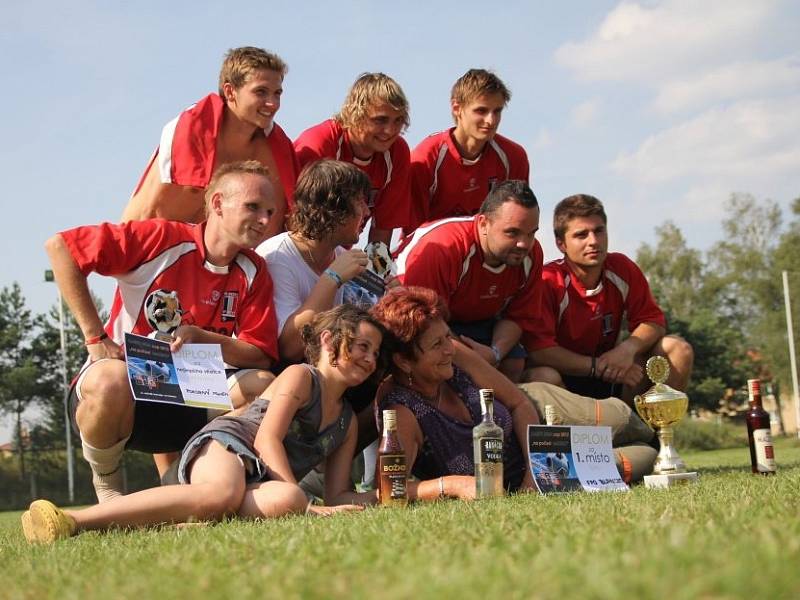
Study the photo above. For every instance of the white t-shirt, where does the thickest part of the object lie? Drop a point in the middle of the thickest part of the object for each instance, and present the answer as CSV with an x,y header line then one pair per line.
x,y
292,278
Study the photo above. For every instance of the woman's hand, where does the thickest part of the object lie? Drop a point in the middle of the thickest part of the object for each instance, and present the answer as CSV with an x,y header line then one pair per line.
x,y
327,511
459,486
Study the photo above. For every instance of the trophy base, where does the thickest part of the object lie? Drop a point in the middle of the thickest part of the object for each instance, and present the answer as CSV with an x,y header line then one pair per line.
x,y
668,480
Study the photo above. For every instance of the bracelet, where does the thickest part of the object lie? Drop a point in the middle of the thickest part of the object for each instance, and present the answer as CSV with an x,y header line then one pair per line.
x,y
96,339
496,352
441,487
593,372
335,276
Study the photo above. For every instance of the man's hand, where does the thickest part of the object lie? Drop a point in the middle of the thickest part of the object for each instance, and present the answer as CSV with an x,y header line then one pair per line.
x,y
185,334
106,348
618,366
350,264
484,351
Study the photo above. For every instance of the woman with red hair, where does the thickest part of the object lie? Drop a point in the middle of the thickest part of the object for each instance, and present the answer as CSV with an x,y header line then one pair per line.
x,y
434,387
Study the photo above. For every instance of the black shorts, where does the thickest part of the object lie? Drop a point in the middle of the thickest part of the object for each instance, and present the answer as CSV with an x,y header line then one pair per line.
x,y
591,387
157,427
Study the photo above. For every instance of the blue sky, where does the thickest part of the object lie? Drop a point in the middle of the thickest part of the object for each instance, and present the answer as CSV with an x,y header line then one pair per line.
x,y
661,109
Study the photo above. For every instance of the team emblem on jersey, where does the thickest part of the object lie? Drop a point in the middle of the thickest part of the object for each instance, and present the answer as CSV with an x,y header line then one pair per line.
x,y
163,311
471,186
230,300
608,324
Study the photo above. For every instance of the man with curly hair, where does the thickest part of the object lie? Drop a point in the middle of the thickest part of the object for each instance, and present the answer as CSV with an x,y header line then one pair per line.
x,y
367,133
310,262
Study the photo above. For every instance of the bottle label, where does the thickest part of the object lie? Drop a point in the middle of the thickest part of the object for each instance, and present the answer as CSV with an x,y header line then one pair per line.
x,y
392,469
765,451
491,450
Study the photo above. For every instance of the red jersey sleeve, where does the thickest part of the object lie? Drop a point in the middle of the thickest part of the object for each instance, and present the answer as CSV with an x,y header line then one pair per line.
x,y
423,163
525,305
543,331
317,142
257,323
432,265
393,204
115,249
641,307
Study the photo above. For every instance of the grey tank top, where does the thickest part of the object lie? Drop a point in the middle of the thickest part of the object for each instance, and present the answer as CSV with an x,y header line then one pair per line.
x,y
306,446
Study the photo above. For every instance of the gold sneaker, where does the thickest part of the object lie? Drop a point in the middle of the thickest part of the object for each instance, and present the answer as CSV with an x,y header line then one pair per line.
x,y
48,523
27,527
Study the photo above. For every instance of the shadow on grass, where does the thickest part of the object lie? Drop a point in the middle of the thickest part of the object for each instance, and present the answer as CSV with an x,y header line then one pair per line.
x,y
722,469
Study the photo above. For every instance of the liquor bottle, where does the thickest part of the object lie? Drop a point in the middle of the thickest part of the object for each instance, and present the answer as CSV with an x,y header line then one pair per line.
x,y
759,434
487,445
392,474
550,415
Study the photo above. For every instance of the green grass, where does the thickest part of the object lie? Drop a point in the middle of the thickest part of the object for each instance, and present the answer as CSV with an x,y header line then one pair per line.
x,y
733,535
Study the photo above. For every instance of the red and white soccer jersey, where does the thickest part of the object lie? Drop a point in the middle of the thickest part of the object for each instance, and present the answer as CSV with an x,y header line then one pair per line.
x,y
151,259
188,148
444,185
390,201
589,322
446,256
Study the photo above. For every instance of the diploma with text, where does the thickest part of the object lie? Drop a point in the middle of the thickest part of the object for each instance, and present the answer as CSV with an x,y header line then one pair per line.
x,y
192,376
569,458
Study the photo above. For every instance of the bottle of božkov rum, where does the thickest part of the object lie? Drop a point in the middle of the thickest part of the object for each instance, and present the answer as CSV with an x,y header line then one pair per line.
x,y
392,472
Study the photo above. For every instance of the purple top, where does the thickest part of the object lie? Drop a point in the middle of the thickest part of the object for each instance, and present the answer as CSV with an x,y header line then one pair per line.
x,y
447,442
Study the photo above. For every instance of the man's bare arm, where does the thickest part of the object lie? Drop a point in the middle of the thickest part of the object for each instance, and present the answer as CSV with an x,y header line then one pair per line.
x,y
155,199
75,290
562,360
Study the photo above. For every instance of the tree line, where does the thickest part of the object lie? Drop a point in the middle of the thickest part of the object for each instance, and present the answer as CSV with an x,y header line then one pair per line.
x,y
728,301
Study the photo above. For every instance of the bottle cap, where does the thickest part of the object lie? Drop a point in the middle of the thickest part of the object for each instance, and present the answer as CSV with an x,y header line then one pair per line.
x,y
390,419
754,387
487,398
549,414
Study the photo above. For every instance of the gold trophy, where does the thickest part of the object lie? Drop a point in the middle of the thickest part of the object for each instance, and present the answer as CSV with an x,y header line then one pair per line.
x,y
661,407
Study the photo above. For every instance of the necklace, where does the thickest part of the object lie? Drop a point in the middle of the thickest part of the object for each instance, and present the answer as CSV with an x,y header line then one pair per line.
x,y
434,401
312,262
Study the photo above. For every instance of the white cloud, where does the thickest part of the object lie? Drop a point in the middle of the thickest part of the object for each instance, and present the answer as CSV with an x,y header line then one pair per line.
x,y
641,42
748,139
543,140
737,80
585,112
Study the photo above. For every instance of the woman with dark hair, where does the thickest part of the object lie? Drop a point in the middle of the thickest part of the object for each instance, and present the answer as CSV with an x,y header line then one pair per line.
x,y
249,465
434,389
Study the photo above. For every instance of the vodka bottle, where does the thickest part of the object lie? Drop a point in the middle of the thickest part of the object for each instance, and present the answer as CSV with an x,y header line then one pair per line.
x,y
487,444
392,473
759,434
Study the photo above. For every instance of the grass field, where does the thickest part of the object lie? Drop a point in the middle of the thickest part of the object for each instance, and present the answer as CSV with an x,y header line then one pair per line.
x,y
733,535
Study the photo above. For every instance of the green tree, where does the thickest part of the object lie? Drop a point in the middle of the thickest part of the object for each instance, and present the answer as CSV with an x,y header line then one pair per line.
x,y
676,272
689,295
46,348
19,375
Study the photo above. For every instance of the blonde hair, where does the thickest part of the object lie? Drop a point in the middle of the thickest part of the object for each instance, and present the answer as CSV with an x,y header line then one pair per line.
x,y
223,172
240,63
476,83
368,90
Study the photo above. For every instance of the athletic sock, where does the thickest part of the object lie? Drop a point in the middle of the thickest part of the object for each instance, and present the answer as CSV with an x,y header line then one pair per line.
x,y
106,475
